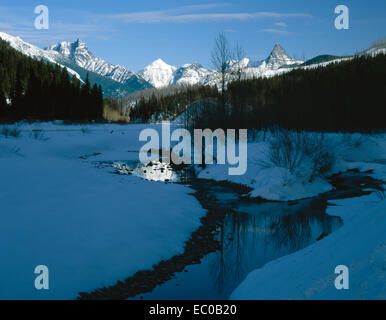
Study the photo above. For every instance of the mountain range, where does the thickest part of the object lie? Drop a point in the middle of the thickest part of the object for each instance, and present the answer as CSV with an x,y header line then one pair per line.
x,y
118,81
160,74
81,62
80,56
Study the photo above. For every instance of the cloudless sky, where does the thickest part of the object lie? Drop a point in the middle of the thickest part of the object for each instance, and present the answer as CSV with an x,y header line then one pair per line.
x,y
135,33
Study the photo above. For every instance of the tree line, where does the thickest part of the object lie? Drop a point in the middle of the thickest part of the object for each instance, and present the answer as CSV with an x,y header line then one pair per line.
x,y
344,96
165,106
37,90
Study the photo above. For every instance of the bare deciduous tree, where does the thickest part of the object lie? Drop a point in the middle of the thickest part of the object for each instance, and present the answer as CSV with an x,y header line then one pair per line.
x,y
239,55
221,56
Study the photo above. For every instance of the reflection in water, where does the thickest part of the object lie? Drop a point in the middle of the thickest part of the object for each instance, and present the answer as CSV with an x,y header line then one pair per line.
x,y
250,235
248,241
152,171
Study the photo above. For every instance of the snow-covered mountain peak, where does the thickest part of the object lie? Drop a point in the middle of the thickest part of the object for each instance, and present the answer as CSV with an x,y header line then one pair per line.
x,y
158,73
243,63
279,58
115,79
80,42
76,51
191,74
79,54
194,66
159,63
278,49
68,48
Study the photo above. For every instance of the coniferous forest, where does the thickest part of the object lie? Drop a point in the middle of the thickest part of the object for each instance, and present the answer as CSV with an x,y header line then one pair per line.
x,y
167,106
37,90
346,96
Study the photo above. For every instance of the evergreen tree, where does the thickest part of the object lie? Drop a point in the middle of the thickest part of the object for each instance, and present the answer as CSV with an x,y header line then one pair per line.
x,y
3,106
86,104
100,104
43,91
94,102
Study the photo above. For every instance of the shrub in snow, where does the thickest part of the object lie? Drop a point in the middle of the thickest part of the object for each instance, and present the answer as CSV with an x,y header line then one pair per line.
x,y
10,132
38,135
85,130
355,140
306,155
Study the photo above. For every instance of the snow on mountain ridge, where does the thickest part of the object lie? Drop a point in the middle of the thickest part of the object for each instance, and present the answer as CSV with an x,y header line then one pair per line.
x,y
79,53
279,58
158,73
34,52
161,74
76,57
192,74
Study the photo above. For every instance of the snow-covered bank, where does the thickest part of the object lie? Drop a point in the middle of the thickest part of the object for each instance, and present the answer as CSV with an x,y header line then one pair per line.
x,y
360,244
309,274
271,182
89,227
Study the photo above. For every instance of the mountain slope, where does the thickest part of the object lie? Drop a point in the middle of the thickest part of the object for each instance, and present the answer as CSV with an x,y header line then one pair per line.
x,y
159,73
77,54
37,89
320,59
79,61
35,52
279,58
192,74
119,81
110,87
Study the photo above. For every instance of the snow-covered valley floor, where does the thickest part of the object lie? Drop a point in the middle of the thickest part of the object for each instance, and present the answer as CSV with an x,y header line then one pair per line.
x,y
92,228
88,227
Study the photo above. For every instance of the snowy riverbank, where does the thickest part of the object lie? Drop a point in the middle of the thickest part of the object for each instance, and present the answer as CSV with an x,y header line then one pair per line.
x,y
272,182
89,227
309,274
360,245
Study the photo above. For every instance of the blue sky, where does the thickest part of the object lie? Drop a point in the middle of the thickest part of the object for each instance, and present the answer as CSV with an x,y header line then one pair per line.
x,y
135,33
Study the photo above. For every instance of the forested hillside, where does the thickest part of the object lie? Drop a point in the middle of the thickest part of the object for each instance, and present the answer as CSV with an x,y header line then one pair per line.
x,y
37,90
162,105
345,96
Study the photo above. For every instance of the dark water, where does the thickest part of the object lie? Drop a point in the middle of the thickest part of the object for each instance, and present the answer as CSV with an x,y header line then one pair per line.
x,y
251,234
